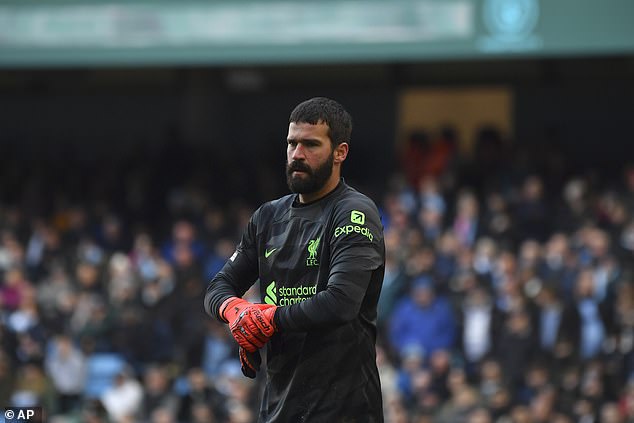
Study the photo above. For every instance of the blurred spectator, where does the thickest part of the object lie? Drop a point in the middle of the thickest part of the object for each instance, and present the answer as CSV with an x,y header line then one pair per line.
x,y
558,270
93,412
88,251
462,402
32,388
66,366
532,214
515,347
162,415
184,238
410,369
493,390
13,289
439,367
201,413
158,396
121,283
223,250
550,314
497,220
123,400
466,224
158,279
575,210
26,318
55,297
189,323
610,413
478,323
424,320
202,402
218,348
110,235
35,258
542,405
582,322
432,210
536,381
11,251
92,323
480,415
7,378
87,278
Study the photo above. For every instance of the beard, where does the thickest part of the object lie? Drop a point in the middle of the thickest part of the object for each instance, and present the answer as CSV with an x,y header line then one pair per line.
x,y
313,180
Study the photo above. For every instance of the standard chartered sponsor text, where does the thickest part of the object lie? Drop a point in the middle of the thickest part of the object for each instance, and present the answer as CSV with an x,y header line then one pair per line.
x,y
295,294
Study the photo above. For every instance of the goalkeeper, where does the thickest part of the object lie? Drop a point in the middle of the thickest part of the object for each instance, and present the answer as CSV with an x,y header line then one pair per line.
x,y
319,256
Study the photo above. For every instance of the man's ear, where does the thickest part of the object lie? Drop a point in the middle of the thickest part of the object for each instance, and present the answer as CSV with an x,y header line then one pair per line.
x,y
341,152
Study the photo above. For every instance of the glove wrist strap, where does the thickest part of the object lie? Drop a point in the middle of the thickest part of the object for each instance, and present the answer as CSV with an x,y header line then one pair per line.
x,y
227,304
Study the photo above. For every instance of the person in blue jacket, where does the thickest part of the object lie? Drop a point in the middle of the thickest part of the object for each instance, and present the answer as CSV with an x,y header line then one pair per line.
x,y
423,319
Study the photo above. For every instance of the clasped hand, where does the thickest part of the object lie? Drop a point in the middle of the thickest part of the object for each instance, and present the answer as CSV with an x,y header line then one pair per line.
x,y
254,326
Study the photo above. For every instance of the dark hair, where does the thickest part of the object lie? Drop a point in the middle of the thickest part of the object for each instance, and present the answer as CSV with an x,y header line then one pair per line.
x,y
322,109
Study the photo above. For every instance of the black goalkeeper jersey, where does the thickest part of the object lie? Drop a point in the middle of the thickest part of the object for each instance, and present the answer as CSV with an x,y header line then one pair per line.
x,y
322,263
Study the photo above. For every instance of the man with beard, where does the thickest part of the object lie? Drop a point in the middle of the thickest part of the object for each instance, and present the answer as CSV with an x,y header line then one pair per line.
x,y
319,256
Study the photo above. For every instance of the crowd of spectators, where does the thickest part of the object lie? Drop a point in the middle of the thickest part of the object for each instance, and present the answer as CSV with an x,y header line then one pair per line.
x,y
508,297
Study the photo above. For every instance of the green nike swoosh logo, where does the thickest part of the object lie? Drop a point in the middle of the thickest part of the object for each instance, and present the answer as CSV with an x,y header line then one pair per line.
x,y
267,253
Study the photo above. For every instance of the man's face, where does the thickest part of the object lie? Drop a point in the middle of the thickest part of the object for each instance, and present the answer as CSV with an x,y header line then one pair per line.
x,y
423,296
309,157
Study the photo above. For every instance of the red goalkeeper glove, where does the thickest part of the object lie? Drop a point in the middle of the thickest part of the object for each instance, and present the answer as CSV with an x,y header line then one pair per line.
x,y
254,326
231,308
250,362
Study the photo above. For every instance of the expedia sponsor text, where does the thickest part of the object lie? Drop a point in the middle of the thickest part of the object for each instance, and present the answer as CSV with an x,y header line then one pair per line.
x,y
349,229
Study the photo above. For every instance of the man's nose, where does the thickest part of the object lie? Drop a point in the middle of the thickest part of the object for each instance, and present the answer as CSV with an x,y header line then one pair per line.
x,y
298,153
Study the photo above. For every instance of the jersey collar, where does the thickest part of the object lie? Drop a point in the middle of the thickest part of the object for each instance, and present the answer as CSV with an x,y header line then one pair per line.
x,y
338,188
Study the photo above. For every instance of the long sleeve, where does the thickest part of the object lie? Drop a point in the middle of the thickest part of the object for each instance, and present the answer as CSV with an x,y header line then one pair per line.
x,y
357,255
238,273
